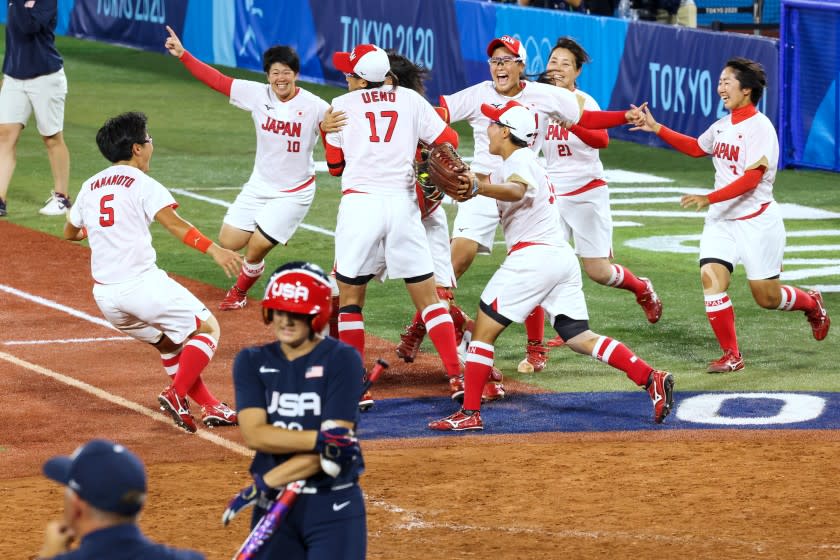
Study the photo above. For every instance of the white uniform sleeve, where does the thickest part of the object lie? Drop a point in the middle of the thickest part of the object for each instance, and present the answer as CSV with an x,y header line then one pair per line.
x,y
565,105
707,139
760,149
246,94
523,174
76,217
155,197
463,104
430,124
336,138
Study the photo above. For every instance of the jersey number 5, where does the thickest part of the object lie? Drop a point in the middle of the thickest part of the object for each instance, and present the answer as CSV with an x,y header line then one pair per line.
x,y
392,115
106,213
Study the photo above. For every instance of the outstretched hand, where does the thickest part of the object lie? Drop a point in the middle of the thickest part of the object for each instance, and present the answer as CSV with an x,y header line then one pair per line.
x,y
645,121
333,121
230,261
698,201
246,498
173,44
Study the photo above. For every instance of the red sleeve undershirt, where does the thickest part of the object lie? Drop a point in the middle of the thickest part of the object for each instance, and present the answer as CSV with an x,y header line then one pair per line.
x,y
448,135
207,74
602,119
597,139
334,156
745,183
686,144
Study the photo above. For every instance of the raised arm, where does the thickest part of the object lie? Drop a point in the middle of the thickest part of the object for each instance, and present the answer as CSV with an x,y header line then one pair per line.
x,y
203,72
681,142
228,260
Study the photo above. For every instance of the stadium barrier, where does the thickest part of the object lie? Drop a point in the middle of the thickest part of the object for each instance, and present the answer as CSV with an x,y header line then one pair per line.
x,y
810,67
675,69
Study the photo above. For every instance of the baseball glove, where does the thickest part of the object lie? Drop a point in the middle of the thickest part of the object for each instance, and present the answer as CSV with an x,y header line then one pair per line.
x,y
446,169
421,172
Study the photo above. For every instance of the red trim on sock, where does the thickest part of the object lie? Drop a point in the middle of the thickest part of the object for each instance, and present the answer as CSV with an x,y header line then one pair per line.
x,y
353,337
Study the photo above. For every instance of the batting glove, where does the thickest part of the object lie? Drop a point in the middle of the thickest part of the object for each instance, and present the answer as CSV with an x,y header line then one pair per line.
x,y
338,445
247,497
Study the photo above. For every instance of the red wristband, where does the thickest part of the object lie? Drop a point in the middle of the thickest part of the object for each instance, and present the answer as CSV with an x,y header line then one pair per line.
x,y
195,239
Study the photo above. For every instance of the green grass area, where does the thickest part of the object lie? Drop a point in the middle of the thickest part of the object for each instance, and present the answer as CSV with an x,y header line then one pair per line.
x,y
202,143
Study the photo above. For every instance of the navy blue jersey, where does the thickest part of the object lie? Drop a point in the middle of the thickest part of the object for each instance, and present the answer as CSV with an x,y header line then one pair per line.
x,y
124,542
300,394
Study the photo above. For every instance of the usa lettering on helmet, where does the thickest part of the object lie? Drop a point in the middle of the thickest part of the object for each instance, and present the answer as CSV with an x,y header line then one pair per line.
x,y
294,292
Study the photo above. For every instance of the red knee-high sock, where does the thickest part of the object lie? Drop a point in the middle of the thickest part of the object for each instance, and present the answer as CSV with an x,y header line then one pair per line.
x,y
170,362
616,354
442,334
199,392
535,325
477,373
721,316
351,329
623,278
794,299
249,274
195,356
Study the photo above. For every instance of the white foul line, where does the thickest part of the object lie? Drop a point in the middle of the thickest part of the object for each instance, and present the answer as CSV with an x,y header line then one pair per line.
x,y
66,340
55,305
120,401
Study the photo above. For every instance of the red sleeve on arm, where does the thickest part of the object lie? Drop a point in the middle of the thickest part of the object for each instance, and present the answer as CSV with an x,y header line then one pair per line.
x,y
602,119
686,144
335,157
207,74
448,135
597,139
747,182
443,110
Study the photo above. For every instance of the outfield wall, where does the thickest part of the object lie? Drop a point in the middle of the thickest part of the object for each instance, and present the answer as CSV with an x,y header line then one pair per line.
x,y
675,69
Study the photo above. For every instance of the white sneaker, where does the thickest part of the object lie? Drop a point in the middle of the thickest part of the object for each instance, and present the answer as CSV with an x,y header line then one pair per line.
x,y
56,205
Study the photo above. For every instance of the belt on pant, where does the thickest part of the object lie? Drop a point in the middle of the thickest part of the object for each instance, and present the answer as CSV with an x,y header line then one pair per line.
x,y
326,489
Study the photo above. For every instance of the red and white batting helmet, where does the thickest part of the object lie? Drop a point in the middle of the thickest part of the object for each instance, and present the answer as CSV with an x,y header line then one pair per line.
x,y
302,288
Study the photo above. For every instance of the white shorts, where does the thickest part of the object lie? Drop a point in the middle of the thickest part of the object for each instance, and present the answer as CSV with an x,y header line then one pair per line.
x,y
278,215
537,275
437,234
151,304
586,222
43,95
758,243
370,226
477,219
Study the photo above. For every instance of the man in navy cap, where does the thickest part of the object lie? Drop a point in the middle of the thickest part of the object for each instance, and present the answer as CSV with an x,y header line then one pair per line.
x,y
105,491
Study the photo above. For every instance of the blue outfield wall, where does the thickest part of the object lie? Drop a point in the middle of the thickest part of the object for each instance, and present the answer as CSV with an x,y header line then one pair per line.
x,y
674,69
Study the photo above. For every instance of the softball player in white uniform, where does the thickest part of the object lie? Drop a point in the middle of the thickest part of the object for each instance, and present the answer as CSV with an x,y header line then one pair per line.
x,y
538,253
583,200
743,223
374,153
114,210
277,196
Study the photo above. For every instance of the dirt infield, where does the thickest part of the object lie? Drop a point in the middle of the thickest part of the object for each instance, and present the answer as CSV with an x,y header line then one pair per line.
x,y
679,494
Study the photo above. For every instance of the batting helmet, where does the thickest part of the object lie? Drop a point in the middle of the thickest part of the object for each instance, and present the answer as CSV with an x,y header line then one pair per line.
x,y
302,288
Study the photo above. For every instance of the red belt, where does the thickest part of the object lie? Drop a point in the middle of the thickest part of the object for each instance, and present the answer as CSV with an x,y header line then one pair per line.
x,y
593,184
523,244
303,186
758,212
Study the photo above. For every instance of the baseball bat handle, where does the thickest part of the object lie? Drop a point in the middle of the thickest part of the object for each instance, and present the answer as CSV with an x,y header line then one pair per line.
x,y
374,373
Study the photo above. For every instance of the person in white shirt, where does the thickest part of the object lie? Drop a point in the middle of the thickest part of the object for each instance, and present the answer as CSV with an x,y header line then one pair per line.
x,y
277,196
583,200
744,223
536,252
378,217
113,211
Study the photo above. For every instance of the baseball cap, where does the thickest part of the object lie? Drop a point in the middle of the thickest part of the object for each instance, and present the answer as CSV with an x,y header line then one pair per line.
x,y
521,121
510,43
366,61
104,474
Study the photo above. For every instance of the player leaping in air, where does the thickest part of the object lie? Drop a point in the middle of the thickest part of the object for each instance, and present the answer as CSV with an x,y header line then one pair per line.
x,y
114,209
272,204
540,270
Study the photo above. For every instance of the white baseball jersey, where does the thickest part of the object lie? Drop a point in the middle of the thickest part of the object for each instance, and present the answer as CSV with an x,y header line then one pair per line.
x,y
380,138
286,134
570,162
546,100
736,148
116,206
533,219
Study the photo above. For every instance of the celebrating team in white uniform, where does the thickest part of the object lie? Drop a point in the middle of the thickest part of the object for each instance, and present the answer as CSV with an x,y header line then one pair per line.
x,y
538,253
277,196
114,210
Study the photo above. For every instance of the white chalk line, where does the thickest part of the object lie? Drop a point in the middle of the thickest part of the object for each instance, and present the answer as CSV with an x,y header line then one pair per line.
x,y
67,340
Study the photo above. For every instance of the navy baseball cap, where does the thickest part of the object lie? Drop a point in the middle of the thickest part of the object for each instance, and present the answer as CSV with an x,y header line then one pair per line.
x,y
104,474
